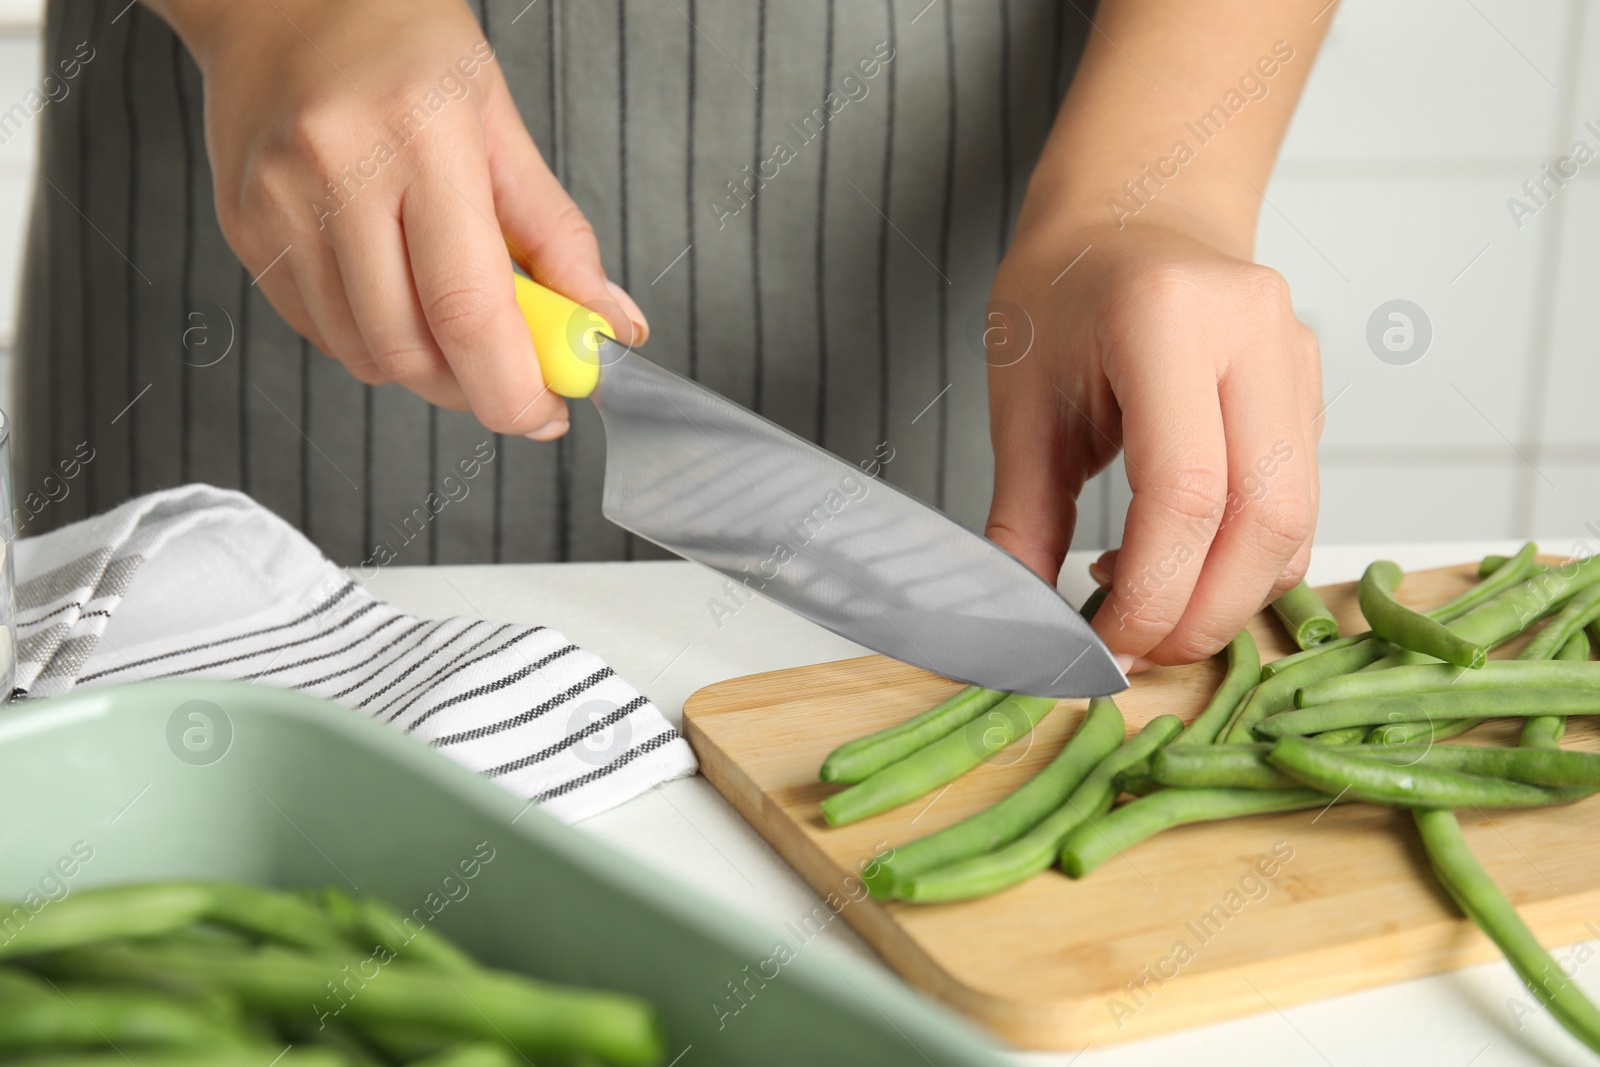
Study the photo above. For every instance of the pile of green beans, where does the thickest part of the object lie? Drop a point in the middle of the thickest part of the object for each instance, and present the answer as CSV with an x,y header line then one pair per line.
x,y
1354,719
221,974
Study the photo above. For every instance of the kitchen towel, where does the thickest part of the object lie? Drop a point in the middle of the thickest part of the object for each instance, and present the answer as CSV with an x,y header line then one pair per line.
x,y
198,582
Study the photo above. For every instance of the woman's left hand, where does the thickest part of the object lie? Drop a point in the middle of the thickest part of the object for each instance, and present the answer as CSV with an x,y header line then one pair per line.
x,y
1191,360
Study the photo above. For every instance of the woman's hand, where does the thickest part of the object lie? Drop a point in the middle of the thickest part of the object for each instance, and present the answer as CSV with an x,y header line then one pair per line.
x,y
1191,360
367,159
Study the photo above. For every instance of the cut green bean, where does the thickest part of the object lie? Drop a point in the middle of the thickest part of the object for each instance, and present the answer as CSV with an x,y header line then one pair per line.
x,y
1091,603
1036,850
1400,626
858,760
1097,737
1339,771
1434,707
1501,674
1305,616
1544,731
1218,767
1244,671
536,1018
938,763
1094,842
1277,693
1490,564
1483,902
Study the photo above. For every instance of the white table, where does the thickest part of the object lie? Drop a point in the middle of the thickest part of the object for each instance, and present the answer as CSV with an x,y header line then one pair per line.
x,y
650,620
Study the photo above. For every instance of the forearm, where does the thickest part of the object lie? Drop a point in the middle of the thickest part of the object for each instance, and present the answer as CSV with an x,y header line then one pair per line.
x,y
1176,114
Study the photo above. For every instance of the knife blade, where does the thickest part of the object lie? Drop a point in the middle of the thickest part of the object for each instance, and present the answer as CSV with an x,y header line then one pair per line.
x,y
710,480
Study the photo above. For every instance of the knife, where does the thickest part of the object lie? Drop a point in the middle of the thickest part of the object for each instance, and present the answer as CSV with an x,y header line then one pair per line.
x,y
705,478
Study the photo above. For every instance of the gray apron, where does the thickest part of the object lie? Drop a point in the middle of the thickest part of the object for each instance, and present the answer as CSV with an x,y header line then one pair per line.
x,y
812,240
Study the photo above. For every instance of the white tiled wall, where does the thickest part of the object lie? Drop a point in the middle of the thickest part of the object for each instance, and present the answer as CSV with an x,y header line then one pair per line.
x,y
1420,120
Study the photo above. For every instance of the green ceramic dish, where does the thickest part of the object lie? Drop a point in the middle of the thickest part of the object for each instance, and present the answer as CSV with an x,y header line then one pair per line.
x,y
167,780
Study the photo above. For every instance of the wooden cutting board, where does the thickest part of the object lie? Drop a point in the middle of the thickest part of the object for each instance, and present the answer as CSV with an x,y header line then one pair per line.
x,y
1199,924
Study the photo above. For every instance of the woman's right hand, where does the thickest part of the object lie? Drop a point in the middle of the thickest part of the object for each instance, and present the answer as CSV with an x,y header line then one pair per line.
x,y
368,158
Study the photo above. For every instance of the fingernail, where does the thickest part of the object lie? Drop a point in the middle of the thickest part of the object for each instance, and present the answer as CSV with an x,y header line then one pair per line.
x,y
1132,664
641,329
1099,573
549,431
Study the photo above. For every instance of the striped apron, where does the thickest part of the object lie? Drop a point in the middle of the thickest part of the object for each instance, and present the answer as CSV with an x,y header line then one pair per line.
x,y
810,239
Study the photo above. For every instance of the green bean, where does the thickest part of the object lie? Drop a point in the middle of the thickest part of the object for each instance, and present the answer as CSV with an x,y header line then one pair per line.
x,y
1483,902
1350,735
1097,841
1218,767
1244,670
1099,735
1532,766
1405,733
1508,613
91,915
1277,693
1577,613
1339,771
858,760
1442,677
367,923
273,915
477,1054
1491,583
1522,564
1036,850
1435,707
241,1056
534,1017
357,1048
1544,731
1283,663
1525,603
1399,625
1305,616
1091,603
1490,564
938,763
72,1016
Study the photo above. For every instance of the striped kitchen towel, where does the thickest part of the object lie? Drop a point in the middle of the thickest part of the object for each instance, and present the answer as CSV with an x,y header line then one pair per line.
x,y
198,582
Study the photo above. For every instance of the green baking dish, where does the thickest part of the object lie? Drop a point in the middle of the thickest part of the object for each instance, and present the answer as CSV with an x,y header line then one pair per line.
x,y
166,780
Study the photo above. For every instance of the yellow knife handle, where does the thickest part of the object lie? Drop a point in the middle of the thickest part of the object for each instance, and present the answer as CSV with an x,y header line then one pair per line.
x,y
566,335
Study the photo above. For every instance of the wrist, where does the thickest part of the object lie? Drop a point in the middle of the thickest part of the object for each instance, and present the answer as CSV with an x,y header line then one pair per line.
x,y
1143,198
207,26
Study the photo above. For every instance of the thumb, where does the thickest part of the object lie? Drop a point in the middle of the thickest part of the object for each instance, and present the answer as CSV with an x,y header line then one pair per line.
x,y
1034,508
546,232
